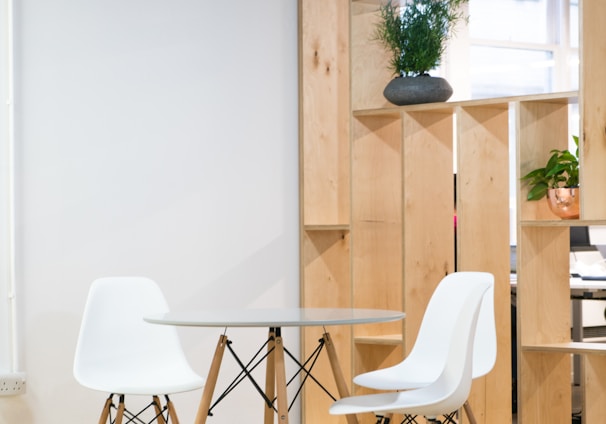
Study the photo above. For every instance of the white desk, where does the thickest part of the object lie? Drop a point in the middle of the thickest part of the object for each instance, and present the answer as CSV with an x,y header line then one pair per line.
x,y
579,288
274,319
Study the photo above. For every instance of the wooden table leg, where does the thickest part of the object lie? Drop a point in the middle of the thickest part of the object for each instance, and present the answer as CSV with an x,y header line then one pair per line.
x,y
337,373
270,377
211,381
280,370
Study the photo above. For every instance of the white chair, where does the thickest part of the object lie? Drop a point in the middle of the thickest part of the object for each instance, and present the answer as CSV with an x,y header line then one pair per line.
x,y
450,321
420,367
121,354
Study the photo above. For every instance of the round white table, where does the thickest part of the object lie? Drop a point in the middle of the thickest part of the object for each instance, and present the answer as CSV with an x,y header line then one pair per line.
x,y
274,319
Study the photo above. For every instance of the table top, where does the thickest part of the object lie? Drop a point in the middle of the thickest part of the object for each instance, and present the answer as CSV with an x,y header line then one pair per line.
x,y
283,317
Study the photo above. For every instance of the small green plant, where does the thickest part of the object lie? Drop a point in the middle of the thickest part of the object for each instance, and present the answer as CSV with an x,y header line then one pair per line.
x,y
416,33
562,170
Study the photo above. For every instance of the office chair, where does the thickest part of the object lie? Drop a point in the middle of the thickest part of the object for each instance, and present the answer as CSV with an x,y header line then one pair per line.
x,y
428,357
121,354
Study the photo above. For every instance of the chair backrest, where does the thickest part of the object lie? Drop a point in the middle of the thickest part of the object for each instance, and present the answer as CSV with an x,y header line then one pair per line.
x,y
458,314
485,342
452,387
113,334
431,345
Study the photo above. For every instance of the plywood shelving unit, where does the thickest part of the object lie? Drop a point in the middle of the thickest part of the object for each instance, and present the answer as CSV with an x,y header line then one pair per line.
x,y
377,212
543,274
377,200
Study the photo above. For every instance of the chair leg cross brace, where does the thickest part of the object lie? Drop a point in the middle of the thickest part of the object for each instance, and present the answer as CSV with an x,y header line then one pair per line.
x,y
163,414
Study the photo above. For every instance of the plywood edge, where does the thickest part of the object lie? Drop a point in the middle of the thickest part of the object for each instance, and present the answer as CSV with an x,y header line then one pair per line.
x,y
500,102
385,339
568,347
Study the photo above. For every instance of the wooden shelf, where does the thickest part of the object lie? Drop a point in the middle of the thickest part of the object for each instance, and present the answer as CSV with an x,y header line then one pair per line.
x,y
329,227
562,222
498,102
386,339
569,347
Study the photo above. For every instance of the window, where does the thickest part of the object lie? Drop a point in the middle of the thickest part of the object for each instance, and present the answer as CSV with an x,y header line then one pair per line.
x,y
516,47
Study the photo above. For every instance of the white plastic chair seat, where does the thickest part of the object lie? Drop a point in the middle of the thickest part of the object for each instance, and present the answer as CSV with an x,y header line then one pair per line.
x,y
422,401
450,390
119,353
143,379
419,368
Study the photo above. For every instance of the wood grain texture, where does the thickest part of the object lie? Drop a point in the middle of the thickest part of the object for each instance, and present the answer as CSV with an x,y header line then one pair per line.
x,y
324,104
483,236
593,108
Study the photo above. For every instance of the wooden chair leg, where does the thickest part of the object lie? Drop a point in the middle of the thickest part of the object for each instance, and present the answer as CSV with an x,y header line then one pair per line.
x,y
106,409
120,413
469,413
172,413
158,409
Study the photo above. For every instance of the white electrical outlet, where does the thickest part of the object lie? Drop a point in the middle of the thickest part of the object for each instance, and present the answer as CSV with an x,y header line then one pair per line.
x,y
12,384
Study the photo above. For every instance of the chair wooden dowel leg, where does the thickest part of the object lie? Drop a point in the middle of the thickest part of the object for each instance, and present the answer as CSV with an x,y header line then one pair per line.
x,y
469,413
158,409
172,413
120,413
106,409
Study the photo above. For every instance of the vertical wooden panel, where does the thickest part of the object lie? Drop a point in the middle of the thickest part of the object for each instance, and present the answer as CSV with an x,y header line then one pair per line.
x,y
324,105
324,124
326,267
483,237
593,109
368,59
428,230
543,285
594,400
327,284
545,392
543,314
377,218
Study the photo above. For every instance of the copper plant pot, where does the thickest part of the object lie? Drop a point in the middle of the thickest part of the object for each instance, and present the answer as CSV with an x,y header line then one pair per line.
x,y
564,202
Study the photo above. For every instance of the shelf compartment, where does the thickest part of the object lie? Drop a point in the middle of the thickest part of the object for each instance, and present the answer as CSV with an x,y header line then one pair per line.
x,y
324,113
376,171
542,126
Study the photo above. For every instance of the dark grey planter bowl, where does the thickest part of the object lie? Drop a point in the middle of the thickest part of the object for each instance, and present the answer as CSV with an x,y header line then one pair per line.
x,y
415,90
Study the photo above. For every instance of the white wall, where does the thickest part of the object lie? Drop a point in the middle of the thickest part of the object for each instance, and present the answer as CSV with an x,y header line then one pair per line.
x,y
154,138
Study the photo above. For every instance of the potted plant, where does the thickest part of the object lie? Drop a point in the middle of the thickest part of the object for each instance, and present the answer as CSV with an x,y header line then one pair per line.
x,y
415,34
558,180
